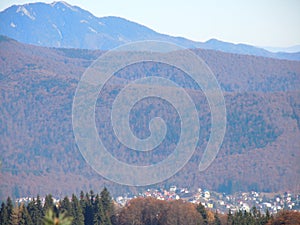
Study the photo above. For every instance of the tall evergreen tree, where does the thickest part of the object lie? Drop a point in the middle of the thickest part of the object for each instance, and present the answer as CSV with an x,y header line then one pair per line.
x,y
106,202
35,210
15,216
4,218
39,204
49,205
9,209
25,218
99,215
229,218
40,209
202,211
267,217
81,196
78,218
88,210
92,196
65,206
82,201
217,219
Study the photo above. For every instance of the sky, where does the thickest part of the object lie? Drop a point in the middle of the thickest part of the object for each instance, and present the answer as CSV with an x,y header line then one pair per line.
x,y
274,23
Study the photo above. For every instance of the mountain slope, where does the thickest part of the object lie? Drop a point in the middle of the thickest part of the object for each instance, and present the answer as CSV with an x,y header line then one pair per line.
x,y
38,149
62,25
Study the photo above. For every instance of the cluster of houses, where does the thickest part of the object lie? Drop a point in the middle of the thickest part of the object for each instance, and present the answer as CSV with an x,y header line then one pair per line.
x,y
221,201
26,200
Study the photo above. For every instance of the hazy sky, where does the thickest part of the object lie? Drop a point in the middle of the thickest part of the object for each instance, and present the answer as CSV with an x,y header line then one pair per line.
x,y
256,22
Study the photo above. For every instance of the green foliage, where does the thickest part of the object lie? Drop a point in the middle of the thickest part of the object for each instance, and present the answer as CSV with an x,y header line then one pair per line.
x,y
4,215
65,206
76,212
99,215
48,204
106,202
86,203
9,209
25,217
35,211
202,211
254,217
52,219
89,210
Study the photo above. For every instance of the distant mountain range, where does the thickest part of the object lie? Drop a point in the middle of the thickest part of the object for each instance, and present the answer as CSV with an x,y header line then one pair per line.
x,y
295,48
61,25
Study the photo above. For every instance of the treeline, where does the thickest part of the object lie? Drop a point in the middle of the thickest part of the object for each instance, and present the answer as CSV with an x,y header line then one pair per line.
x,y
100,209
88,209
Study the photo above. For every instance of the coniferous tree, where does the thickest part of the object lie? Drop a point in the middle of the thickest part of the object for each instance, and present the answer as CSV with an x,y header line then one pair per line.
x,y
39,205
88,210
4,215
25,218
217,219
49,205
82,201
78,217
229,218
106,201
81,195
255,213
15,216
99,214
92,196
35,211
65,206
238,218
267,217
202,211
9,209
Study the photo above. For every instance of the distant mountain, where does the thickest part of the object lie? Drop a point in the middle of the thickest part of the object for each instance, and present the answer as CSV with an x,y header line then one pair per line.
x,y
61,25
39,154
291,49
248,50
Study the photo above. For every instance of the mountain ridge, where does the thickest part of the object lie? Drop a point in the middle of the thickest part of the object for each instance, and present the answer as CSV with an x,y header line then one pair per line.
x,y
60,24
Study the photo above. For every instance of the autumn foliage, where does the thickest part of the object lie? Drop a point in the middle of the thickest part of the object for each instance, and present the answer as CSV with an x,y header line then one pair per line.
x,y
286,217
152,211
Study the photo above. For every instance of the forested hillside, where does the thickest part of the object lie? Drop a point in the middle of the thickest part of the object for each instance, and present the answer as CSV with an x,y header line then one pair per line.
x,y
39,154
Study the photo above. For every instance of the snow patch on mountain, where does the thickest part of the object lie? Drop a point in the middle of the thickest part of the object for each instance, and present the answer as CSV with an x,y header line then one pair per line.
x,y
58,31
24,11
83,21
93,30
62,3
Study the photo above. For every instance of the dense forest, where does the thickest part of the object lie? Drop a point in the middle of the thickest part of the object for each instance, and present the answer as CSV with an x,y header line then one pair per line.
x,y
38,148
100,209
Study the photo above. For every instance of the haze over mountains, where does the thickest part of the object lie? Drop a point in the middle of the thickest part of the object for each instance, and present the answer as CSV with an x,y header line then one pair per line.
x,y
62,25
38,151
